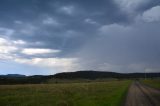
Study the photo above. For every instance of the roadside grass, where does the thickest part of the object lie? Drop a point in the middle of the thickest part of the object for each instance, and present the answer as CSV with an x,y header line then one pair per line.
x,y
152,82
110,93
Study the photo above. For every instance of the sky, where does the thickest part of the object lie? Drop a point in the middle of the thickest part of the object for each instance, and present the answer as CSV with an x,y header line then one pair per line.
x,y
43,37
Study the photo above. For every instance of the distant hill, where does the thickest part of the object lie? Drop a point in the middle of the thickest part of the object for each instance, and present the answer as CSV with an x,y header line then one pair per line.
x,y
86,75
12,75
36,79
102,74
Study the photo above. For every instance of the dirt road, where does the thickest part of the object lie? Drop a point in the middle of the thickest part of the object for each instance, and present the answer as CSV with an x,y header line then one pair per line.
x,y
142,95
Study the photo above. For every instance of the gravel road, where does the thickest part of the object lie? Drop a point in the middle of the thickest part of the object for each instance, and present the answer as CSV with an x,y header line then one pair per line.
x,y
142,95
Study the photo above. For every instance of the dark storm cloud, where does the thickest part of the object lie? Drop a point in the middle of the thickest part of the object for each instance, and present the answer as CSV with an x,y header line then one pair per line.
x,y
33,12
102,34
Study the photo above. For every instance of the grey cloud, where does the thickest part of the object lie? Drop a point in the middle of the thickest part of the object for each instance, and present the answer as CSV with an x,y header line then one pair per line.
x,y
97,32
123,46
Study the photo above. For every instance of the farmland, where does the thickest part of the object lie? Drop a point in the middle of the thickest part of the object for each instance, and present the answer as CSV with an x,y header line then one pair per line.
x,y
109,93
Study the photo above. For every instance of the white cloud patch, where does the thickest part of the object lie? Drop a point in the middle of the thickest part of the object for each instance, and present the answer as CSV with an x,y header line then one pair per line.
x,y
67,9
19,42
58,64
50,21
18,22
3,41
35,51
90,21
6,47
152,15
10,49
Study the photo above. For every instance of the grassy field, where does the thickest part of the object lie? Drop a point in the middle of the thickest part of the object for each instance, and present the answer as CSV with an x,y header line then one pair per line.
x,y
152,82
109,93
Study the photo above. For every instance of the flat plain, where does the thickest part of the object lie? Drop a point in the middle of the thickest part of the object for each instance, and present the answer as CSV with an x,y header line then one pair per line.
x,y
111,93
83,93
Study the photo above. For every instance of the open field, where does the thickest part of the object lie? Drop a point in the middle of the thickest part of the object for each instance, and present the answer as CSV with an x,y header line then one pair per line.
x,y
152,82
111,93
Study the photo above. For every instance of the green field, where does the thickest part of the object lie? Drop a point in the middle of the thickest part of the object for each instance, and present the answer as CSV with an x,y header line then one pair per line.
x,y
152,82
111,93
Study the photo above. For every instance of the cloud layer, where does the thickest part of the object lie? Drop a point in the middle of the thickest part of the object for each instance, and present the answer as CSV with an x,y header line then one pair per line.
x,y
55,36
